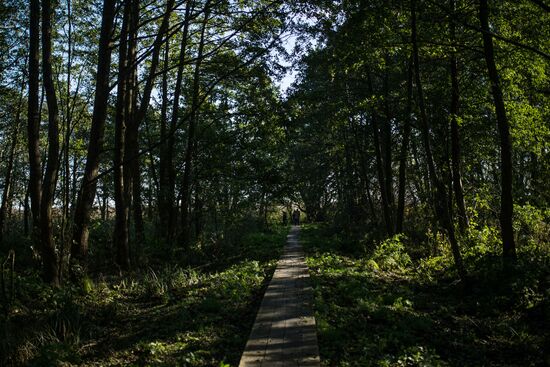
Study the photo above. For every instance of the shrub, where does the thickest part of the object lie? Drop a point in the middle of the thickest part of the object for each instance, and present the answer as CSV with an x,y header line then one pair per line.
x,y
532,226
390,254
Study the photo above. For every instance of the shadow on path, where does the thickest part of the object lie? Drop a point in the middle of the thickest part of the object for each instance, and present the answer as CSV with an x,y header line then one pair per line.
x,y
284,332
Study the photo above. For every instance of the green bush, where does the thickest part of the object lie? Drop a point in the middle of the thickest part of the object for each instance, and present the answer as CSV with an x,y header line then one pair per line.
x,y
390,254
481,241
532,226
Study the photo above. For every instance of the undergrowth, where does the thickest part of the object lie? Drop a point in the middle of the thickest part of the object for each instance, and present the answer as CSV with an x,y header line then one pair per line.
x,y
379,306
172,315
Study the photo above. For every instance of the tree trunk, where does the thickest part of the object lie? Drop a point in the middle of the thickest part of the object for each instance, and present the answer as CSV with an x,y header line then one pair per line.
x,y
455,137
404,152
167,180
49,256
381,178
137,115
66,142
8,180
26,211
198,209
33,123
79,247
387,144
506,198
165,205
380,167
191,143
6,205
438,188
131,169
121,205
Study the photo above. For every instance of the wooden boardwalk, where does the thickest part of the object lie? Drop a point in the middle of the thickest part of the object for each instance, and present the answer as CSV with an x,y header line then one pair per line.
x,y
284,332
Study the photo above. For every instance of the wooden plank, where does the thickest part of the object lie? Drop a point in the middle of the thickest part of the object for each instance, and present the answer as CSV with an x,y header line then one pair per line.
x,y
284,332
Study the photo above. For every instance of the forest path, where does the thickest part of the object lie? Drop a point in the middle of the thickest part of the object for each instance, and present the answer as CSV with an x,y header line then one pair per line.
x,y
284,332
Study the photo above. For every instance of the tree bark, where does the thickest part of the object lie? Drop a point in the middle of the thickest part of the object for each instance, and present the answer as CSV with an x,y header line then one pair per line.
x,y
67,122
131,169
26,211
121,205
83,210
506,198
165,205
33,123
49,256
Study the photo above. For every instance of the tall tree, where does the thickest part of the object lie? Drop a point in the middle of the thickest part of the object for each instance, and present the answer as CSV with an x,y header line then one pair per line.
x,y
49,255
167,179
121,203
33,116
455,136
191,138
83,210
403,155
386,206
131,172
506,198
439,194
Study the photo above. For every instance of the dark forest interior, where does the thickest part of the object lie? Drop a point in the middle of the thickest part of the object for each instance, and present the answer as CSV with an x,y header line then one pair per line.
x,y
154,154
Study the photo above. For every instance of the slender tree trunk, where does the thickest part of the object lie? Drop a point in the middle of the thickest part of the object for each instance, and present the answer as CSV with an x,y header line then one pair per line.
x,y
79,248
381,178
455,137
198,209
348,181
364,197
66,142
121,204
138,115
131,169
506,198
167,200
364,167
404,152
191,143
387,144
163,200
439,192
8,178
380,168
33,116
49,255
26,211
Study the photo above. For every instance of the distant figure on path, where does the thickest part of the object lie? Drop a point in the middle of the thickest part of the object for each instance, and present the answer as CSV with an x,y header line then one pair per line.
x,y
284,218
296,217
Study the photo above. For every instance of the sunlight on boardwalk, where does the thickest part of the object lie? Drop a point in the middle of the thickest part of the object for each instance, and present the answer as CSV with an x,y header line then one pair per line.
x,y
284,332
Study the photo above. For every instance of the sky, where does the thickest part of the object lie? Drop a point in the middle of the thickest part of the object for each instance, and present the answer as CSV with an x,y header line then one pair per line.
x,y
289,41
